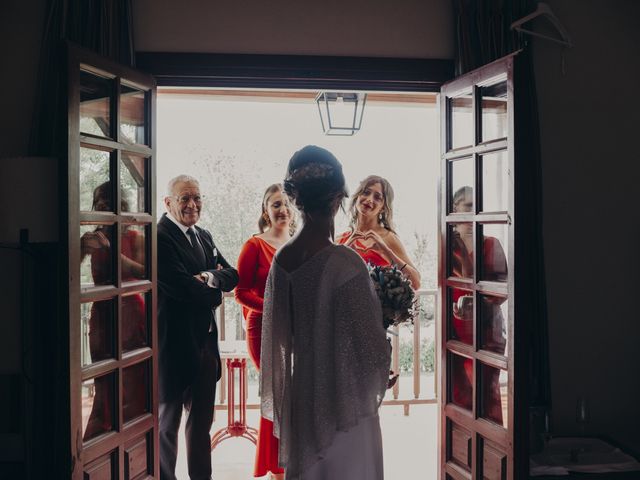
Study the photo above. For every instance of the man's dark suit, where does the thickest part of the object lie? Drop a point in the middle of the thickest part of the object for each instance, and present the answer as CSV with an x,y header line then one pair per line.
x,y
189,360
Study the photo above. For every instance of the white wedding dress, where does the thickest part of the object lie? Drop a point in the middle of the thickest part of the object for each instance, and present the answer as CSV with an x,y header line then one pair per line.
x,y
325,366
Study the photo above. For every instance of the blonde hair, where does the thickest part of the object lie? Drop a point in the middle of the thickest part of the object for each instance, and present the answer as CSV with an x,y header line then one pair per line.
x,y
386,215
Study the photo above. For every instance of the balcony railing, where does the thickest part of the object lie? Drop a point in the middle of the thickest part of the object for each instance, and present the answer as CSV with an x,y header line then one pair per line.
x,y
418,380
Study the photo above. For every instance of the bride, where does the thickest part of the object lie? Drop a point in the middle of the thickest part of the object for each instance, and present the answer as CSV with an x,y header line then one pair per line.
x,y
325,358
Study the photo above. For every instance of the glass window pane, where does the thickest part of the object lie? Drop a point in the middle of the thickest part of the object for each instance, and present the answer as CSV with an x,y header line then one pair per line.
x,y
494,311
96,262
461,197
133,253
98,331
461,381
95,104
493,394
494,111
95,188
134,322
132,115
461,315
495,182
135,388
461,114
493,262
98,406
461,250
132,182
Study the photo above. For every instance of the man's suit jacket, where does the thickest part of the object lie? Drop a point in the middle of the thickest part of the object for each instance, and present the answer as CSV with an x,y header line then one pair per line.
x,y
186,306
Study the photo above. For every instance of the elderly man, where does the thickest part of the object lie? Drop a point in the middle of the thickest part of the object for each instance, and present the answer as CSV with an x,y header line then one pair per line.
x,y
192,274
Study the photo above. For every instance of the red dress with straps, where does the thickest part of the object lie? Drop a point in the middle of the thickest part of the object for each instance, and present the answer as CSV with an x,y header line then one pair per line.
x,y
254,263
368,254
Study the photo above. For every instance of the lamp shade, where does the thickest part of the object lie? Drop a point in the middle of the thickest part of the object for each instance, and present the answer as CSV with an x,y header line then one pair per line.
x,y
341,112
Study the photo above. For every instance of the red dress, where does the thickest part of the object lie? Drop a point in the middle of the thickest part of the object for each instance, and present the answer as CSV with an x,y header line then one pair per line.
x,y
254,263
368,255
495,266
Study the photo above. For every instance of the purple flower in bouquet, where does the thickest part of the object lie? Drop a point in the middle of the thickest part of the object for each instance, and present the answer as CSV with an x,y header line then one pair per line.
x,y
397,297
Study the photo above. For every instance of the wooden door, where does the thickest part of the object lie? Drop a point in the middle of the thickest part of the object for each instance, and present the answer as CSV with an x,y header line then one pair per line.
x,y
110,187
482,355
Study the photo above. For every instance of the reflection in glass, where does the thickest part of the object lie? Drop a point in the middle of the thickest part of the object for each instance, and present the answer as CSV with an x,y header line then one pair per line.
x,y
494,111
94,174
132,115
495,182
135,385
461,381
95,104
97,331
493,262
461,315
133,253
96,262
132,176
493,327
461,111
98,406
461,196
493,394
134,322
461,250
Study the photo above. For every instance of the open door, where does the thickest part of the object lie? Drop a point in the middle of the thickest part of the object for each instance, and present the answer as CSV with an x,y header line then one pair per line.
x,y
110,187
483,363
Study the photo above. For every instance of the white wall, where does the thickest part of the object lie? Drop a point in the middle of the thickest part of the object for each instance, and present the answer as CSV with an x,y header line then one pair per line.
x,y
377,28
588,119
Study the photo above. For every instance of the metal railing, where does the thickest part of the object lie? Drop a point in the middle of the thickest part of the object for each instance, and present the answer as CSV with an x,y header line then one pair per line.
x,y
428,312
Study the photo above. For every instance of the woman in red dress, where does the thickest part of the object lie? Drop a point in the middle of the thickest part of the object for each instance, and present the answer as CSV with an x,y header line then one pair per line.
x,y
275,225
372,233
102,328
495,269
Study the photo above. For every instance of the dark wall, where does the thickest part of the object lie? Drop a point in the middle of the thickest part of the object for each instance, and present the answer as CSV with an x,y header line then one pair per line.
x,y
588,119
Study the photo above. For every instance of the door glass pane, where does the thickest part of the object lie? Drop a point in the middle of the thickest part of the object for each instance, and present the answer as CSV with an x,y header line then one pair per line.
x,y
494,111
461,114
493,323
493,261
134,322
461,315
133,253
461,250
461,197
493,394
135,387
495,182
95,104
97,330
132,182
461,381
96,261
95,188
98,406
132,113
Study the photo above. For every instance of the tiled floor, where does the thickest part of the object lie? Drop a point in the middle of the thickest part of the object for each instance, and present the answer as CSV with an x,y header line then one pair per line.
x,y
409,446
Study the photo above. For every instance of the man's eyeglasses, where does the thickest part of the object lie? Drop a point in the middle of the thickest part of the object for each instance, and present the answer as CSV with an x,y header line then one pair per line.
x,y
184,199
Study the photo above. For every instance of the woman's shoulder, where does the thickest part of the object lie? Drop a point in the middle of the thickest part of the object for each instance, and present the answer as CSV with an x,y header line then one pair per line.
x,y
346,263
343,237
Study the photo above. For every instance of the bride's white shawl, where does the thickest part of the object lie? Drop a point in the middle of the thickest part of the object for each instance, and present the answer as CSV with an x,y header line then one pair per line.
x,y
324,357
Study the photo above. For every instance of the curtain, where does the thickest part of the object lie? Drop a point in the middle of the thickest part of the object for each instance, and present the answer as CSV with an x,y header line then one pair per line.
x,y
104,26
483,34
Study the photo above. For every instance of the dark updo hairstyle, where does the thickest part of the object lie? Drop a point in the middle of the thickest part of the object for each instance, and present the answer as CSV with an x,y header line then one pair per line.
x,y
315,182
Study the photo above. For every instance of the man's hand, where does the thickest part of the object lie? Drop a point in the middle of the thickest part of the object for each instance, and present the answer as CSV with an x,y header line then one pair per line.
x,y
201,278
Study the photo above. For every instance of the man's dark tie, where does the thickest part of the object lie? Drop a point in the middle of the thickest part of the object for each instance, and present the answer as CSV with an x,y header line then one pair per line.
x,y
197,248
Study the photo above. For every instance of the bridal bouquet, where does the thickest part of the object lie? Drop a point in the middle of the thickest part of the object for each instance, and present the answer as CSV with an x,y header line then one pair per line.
x,y
396,295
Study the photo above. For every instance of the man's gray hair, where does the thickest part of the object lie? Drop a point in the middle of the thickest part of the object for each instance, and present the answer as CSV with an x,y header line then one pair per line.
x,y
180,179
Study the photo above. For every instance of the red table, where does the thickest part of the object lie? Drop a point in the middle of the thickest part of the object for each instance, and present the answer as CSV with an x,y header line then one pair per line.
x,y
235,428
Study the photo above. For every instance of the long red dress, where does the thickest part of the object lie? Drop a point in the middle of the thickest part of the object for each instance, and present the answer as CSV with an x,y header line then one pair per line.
x,y
368,255
495,269
253,267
